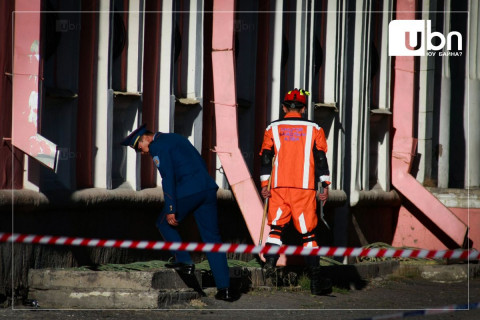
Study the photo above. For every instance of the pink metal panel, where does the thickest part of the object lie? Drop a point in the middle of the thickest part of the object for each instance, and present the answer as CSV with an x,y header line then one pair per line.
x,y
26,63
11,159
223,22
404,144
412,233
427,203
424,238
227,144
227,148
470,216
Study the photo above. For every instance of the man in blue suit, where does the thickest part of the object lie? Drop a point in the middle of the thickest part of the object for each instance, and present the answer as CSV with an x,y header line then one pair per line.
x,y
187,188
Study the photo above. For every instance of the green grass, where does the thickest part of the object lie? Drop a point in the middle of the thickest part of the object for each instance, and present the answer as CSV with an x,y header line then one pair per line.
x,y
304,282
204,265
157,264
340,290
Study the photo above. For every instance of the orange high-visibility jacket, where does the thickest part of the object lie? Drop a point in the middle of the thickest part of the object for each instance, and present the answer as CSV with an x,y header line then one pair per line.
x,y
300,150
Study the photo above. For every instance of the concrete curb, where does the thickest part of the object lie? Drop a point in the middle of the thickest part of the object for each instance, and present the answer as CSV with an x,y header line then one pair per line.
x,y
441,273
162,288
109,289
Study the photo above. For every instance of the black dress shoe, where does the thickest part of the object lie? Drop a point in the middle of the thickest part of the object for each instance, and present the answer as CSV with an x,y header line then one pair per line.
x,y
226,295
181,267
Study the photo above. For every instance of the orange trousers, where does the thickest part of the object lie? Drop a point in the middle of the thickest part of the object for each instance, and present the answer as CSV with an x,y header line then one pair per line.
x,y
295,204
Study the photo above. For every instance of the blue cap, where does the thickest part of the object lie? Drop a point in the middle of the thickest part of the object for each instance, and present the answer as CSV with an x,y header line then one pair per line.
x,y
132,139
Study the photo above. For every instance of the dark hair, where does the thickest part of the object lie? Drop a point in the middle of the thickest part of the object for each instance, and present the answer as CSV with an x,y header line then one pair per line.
x,y
293,106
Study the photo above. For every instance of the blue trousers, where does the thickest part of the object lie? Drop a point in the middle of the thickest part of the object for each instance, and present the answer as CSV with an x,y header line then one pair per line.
x,y
204,207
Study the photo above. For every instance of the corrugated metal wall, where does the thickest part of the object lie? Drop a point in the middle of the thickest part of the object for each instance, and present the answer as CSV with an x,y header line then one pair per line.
x,y
336,50
146,61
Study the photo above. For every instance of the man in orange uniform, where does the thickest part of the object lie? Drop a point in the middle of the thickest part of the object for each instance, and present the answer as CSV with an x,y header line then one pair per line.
x,y
294,153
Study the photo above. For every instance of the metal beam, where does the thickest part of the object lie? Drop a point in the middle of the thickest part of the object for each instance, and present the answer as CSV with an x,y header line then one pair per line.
x,y
25,87
103,117
445,109
472,92
404,144
223,64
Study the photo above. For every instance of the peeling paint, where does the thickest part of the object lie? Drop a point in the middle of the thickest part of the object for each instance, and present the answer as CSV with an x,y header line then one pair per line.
x,y
40,146
34,50
33,105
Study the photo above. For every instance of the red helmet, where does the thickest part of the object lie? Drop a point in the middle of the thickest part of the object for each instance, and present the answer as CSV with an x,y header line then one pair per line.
x,y
296,98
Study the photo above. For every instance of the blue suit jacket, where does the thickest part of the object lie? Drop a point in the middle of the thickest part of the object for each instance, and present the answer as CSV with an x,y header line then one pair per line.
x,y
182,168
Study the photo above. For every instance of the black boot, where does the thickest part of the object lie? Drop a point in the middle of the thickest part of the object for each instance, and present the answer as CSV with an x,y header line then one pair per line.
x,y
319,285
270,266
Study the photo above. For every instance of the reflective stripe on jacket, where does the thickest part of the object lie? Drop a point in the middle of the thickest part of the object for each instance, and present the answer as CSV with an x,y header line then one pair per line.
x,y
293,140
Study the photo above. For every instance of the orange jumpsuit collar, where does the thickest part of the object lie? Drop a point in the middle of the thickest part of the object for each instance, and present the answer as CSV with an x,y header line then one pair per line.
x,y
293,115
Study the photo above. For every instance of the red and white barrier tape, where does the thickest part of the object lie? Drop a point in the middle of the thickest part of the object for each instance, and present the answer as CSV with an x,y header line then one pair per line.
x,y
243,248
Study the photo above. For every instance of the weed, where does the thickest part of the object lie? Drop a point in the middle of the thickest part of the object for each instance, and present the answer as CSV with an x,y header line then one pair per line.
x,y
340,290
304,282
197,303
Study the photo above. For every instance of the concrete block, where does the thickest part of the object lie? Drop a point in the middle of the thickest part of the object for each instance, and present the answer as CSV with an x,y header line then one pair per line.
x,y
376,269
133,280
59,289
168,298
170,279
54,279
441,273
94,299
452,273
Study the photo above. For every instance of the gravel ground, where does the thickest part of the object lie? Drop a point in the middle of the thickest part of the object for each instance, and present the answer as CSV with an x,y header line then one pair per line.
x,y
379,297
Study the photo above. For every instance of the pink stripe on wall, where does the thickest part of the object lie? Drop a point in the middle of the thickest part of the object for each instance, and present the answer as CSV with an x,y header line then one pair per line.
x,y
404,145
25,103
11,159
225,100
